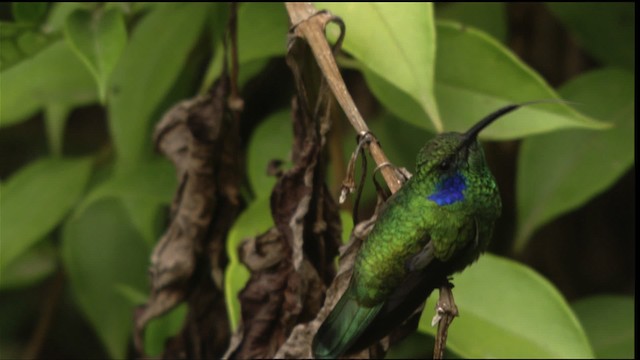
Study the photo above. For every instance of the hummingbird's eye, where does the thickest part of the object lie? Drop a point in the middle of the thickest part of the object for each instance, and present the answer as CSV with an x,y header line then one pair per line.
x,y
444,165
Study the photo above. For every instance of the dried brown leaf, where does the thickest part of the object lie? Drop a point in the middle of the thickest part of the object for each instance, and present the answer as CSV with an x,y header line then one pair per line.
x,y
292,262
201,137
298,345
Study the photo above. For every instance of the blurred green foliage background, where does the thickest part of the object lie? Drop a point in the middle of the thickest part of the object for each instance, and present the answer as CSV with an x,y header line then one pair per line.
x,y
84,197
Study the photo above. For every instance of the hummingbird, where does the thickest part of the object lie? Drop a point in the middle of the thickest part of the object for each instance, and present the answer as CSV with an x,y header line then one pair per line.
x,y
437,224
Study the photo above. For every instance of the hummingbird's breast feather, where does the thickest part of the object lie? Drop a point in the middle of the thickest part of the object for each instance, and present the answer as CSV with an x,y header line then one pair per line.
x,y
400,232
408,221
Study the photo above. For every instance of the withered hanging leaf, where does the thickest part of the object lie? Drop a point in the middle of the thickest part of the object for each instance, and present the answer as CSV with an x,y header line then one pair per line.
x,y
298,345
293,261
287,283
201,137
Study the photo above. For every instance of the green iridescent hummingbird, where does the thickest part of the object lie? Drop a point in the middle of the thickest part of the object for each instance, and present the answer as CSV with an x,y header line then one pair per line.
x,y
437,224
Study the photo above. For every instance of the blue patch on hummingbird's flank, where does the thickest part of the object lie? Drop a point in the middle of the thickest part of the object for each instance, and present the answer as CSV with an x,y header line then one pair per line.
x,y
449,190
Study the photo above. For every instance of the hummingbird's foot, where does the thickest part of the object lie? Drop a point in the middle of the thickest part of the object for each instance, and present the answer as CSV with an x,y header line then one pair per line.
x,y
446,311
349,184
446,305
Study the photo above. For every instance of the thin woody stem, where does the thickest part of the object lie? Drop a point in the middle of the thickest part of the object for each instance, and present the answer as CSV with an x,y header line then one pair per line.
x,y
302,16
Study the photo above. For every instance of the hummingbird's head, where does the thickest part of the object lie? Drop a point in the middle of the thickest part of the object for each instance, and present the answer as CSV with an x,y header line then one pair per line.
x,y
450,152
452,161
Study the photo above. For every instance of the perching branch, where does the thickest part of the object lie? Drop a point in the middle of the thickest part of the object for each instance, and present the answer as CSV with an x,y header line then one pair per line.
x,y
309,24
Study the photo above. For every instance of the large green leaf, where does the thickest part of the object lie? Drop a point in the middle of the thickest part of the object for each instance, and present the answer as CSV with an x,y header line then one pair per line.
x,y
271,140
143,192
102,253
417,346
475,75
27,36
57,17
19,42
561,171
262,31
53,76
487,16
30,267
609,323
151,63
98,38
254,220
260,37
507,310
28,11
36,199
605,29
404,50
160,329
400,140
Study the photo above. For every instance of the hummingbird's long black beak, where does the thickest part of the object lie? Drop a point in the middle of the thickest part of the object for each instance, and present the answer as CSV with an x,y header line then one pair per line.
x,y
472,134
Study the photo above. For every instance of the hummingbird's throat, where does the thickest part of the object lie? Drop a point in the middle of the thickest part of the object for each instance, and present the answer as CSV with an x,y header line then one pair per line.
x,y
449,190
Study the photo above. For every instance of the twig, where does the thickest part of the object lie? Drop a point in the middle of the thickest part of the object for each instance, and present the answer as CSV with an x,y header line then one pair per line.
x,y
46,316
309,24
235,100
446,311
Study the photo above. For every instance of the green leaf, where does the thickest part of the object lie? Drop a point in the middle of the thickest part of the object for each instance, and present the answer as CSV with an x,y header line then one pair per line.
x,y
11,30
347,225
102,251
53,76
55,120
143,193
476,75
417,346
561,171
98,38
254,220
29,12
398,102
605,29
608,321
31,42
10,54
30,268
20,41
262,33
36,199
400,140
490,17
60,11
160,329
153,59
271,140
24,37
404,51
507,310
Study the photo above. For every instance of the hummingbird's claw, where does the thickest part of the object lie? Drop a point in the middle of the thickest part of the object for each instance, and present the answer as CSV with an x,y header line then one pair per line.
x,y
438,316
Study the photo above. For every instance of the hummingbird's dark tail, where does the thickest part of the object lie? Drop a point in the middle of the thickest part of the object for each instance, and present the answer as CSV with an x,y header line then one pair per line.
x,y
342,327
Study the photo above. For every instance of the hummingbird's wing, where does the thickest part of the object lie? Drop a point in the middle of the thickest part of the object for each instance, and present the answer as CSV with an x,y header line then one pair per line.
x,y
343,326
425,273
420,260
